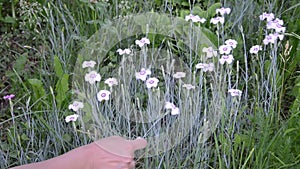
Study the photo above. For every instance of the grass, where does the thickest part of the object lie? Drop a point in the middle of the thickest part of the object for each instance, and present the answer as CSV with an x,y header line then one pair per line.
x,y
260,129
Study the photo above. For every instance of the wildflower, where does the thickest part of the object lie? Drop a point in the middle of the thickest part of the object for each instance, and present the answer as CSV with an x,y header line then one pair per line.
x,y
174,109
188,86
254,49
205,67
8,97
151,82
142,42
111,82
226,58
210,52
90,63
71,118
179,75
279,36
125,51
142,75
194,18
92,77
76,105
225,49
103,95
268,16
276,25
235,92
232,43
217,19
271,38
223,11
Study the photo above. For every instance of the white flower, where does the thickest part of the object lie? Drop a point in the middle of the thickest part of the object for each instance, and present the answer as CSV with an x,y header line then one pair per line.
x,y
254,49
268,16
174,109
179,75
217,19
142,75
151,82
142,42
205,67
125,51
279,36
232,43
71,118
75,106
226,58
92,77
103,95
225,49
223,11
276,25
194,18
111,82
90,63
188,86
210,52
271,38
235,92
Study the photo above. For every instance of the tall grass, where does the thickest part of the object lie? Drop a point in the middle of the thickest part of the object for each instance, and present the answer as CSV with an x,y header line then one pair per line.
x,y
213,129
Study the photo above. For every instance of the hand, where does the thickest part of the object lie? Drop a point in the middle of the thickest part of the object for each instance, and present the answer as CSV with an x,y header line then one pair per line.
x,y
109,153
115,152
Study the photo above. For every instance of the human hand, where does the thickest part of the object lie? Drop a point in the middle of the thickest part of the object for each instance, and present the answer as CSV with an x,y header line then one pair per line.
x,y
109,153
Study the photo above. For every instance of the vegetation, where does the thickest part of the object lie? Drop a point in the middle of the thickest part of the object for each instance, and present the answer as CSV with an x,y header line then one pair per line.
x,y
44,43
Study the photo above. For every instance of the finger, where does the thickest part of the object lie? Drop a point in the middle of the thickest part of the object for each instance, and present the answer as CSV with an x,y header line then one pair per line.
x,y
138,143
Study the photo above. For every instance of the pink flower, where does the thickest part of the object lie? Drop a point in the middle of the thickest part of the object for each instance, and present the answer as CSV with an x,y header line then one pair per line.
x,y
271,38
225,49
179,75
71,118
235,92
75,106
8,97
151,82
174,109
92,77
188,86
111,82
90,63
210,52
223,11
254,49
194,18
232,43
142,42
142,75
103,95
226,58
268,16
205,67
217,20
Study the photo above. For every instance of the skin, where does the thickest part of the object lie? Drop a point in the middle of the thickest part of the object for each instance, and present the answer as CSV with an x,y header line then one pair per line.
x,y
109,153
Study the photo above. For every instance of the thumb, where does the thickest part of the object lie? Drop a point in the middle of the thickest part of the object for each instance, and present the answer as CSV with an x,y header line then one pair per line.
x,y
138,143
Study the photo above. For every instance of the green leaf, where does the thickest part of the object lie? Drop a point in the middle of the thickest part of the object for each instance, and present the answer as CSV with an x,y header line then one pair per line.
x,y
20,64
57,67
61,88
37,87
212,9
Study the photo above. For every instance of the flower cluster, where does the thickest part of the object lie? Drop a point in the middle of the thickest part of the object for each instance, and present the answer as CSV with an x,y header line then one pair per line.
x,y
220,19
195,18
143,74
274,24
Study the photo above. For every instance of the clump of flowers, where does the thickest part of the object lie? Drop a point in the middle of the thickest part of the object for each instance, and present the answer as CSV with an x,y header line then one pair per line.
x,y
205,67
125,51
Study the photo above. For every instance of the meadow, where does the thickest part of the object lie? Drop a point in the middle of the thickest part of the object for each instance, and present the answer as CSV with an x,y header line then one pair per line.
x,y
209,84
